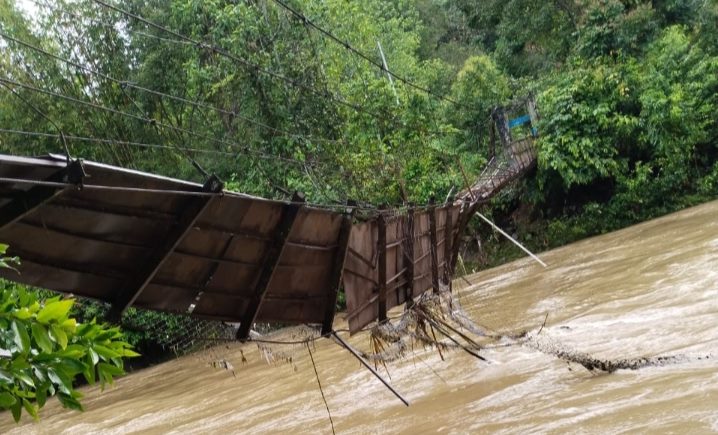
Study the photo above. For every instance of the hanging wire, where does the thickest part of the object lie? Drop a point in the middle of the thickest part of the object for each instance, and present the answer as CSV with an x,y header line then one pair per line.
x,y
182,150
41,113
150,146
252,66
321,390
194,103
151,121
144,119
362,55
124,84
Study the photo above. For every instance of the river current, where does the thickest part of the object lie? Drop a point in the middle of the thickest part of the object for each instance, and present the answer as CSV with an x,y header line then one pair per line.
x,y
648,290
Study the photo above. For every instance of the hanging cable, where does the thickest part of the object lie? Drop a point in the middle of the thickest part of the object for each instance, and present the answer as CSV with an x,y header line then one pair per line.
x,y
143,119
182,150
364,56
151,146
41,113
198,104
247,63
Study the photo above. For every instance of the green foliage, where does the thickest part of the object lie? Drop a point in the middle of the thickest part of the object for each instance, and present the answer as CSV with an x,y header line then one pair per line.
x,y
586,120
611,28
7,262
45,349
639,123
525,36
627,95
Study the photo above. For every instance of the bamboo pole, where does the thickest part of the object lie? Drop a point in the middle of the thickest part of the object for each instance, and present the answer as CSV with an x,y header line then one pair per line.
x,y
512,239
366,364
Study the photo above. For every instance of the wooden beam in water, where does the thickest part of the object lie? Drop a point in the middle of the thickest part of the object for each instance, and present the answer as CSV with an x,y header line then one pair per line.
x,y
368,367
135,285
269,263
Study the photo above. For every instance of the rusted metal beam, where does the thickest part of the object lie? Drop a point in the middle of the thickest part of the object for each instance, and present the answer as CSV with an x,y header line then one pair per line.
x,y
434,247
269,263
335,280
409,258
381,264
136,284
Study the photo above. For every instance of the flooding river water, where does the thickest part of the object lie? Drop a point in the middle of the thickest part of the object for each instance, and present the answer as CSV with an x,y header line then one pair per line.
x,y
648,290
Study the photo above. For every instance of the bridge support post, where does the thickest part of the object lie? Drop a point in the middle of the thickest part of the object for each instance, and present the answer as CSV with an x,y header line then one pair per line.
x,y
381,264
337,268
434,246
448,244
409,256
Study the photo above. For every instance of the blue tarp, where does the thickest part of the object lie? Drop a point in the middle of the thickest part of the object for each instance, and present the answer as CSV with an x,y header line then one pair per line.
x,y
519,121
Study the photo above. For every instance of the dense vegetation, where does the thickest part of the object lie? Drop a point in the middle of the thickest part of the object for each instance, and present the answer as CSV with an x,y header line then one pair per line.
x,y
627,91
43,350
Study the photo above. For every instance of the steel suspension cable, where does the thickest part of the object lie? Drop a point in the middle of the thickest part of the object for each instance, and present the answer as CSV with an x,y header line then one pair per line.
x,y
367,58
147,120
245,62
129,84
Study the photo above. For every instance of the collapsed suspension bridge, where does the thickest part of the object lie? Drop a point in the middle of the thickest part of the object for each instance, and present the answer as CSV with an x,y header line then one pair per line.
x,y
168,245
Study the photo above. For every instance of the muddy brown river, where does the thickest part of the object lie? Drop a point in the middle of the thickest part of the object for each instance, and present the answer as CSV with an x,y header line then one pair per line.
x,y
648,290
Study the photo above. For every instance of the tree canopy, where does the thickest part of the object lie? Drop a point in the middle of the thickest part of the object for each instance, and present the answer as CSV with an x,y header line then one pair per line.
x,y
281,96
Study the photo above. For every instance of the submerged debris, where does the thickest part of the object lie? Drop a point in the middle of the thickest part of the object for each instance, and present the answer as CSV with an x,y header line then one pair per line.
x,y
281,346
593,364
438,321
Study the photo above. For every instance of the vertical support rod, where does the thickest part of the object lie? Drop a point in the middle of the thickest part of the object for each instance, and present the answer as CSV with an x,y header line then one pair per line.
x,y
492,141
434,246
466,179
381,264
409,256
448,243
271,258
464,215
340,256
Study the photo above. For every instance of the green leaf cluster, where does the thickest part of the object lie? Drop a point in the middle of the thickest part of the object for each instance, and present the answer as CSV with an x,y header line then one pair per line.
x,y
44,349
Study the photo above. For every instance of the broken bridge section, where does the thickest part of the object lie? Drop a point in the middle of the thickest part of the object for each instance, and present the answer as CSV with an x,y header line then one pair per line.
x,y
134,239
130,238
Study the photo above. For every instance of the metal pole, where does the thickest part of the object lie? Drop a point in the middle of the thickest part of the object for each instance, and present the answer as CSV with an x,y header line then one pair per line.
x,y
386,69
511,239
366,364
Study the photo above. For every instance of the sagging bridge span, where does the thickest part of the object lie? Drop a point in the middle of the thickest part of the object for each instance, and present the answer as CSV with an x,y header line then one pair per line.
x,y
135,239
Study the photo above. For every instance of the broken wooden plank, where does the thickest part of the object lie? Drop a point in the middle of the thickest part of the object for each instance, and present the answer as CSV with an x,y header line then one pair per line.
x,y
448,239
409,258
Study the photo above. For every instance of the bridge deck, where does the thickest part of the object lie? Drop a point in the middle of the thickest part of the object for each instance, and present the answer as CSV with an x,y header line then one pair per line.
x,y
134,239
